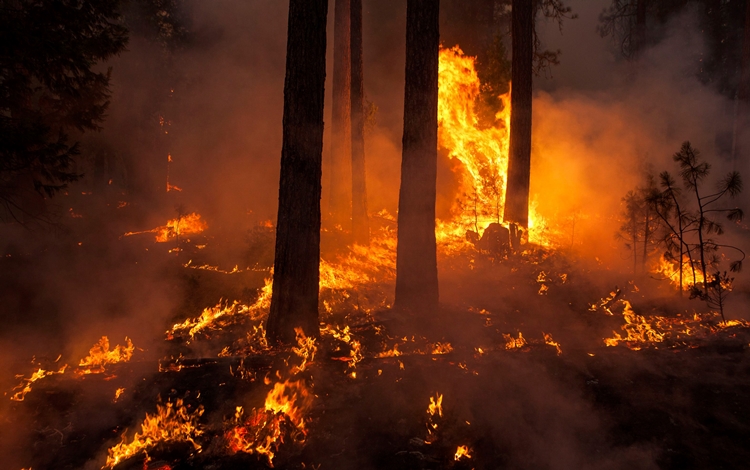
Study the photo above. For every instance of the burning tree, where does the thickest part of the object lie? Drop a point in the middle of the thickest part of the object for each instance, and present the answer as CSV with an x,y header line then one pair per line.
x,y
294,302
688,220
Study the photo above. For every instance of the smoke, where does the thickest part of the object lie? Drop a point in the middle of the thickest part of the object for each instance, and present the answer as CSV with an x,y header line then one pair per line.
x,y
600,125
215,105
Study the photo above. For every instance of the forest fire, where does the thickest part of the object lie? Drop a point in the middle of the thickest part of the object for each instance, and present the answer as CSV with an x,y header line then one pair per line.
x,y
340,313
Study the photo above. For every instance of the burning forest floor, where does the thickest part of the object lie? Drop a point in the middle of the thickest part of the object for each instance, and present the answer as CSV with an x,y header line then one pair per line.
x,y
534,361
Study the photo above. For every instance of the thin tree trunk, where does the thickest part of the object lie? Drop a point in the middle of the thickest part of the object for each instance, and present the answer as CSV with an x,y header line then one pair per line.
x,y
360,221
519,158
341,127
416,254
294,302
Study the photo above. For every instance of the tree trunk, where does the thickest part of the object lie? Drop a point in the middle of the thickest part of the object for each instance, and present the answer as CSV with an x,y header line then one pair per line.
x,y
416,257
519,158
360,222
341,127
294,302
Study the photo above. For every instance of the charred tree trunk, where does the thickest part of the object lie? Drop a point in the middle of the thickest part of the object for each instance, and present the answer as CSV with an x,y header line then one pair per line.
x,y
519,158
416,257
294,302
360,222
341,128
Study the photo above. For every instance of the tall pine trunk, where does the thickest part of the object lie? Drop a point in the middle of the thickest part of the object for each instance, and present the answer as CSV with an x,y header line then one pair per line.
x,y
341,128
360,221
416,257
519,158
294,302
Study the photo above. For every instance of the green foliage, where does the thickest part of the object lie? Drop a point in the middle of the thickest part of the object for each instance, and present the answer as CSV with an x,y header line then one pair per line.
x,y
50,86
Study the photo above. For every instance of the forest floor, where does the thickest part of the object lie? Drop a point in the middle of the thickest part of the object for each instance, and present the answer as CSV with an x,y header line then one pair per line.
x,y
526,382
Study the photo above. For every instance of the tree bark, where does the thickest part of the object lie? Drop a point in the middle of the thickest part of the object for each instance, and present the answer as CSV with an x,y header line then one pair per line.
x,y
519,158
294,302
416,257
360,221
341,130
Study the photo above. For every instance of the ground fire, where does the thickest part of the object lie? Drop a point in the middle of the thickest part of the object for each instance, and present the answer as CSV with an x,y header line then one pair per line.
x,y
280,318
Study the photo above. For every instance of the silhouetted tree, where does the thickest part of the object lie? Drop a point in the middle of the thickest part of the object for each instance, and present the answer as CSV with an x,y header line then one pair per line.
x,y
527,58
50,86
341,126
360,221
294,302
416,257
519,157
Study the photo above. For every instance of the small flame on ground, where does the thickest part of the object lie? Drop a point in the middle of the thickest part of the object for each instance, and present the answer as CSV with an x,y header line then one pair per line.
x,y
462,453
100,356
172,422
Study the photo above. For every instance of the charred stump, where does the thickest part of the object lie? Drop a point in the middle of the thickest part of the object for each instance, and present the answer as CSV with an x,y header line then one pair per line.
x,y
294,302
416,257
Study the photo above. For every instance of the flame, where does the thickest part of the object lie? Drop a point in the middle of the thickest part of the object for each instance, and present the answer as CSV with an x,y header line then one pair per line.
x,y
441,348
548,340
305,350
482,152
461,453
118,393
100,356
657,331
637,328
185,225
172,422
514,343
263,431
355,347
671,271
25,386
224,313
436,405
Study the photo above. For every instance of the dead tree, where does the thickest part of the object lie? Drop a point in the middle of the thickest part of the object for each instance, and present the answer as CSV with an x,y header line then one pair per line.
x,y
341,128
360,221
519,158
416,254
294,302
